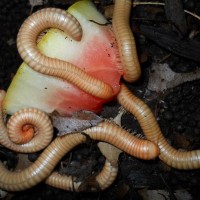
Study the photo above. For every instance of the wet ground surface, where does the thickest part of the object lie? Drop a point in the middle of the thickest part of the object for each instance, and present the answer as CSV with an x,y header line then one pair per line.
x,y
177,111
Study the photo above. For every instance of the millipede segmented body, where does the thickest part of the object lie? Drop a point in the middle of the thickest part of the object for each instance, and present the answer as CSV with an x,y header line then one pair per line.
x,y
26,44
44,165
15,138
102,181
125,40
151,129
26,120
115,135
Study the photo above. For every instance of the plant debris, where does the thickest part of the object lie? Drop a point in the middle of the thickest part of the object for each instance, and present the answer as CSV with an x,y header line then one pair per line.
x,y
75,123
161,77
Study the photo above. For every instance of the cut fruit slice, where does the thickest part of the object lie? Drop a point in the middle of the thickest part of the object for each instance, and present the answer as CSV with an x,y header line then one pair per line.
x,y
96,53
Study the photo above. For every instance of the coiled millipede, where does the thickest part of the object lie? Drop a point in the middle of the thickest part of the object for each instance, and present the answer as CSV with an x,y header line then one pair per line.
x,y
44,165
42,168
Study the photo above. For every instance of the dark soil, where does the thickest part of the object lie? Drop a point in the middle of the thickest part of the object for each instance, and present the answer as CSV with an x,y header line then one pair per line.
x,y
177,109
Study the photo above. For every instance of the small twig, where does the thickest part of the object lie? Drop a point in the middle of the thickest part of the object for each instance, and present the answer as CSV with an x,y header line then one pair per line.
x,y
100,23
193,14
165,58
162,4
148,3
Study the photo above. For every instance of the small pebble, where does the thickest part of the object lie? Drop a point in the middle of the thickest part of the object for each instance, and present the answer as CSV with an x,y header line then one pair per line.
x,y
75,164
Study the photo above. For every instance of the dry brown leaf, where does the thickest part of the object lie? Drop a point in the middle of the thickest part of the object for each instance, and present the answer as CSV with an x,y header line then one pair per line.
x,y
77,123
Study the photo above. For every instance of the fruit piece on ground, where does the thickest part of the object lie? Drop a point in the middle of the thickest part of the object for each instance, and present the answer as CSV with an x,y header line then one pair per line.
x,y
96,53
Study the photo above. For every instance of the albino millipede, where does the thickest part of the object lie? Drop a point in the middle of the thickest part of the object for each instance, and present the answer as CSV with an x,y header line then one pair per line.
x,y
63,182
125,40
110,170
44,165
42,168
108,174
33,120
26,44
103,180
55,151
151,129
123,140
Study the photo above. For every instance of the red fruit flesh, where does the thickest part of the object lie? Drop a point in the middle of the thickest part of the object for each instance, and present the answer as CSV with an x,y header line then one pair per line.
x,y
100,60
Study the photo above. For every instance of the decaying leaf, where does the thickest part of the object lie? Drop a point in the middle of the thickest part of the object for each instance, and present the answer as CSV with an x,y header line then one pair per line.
x,y
77,123
162,77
